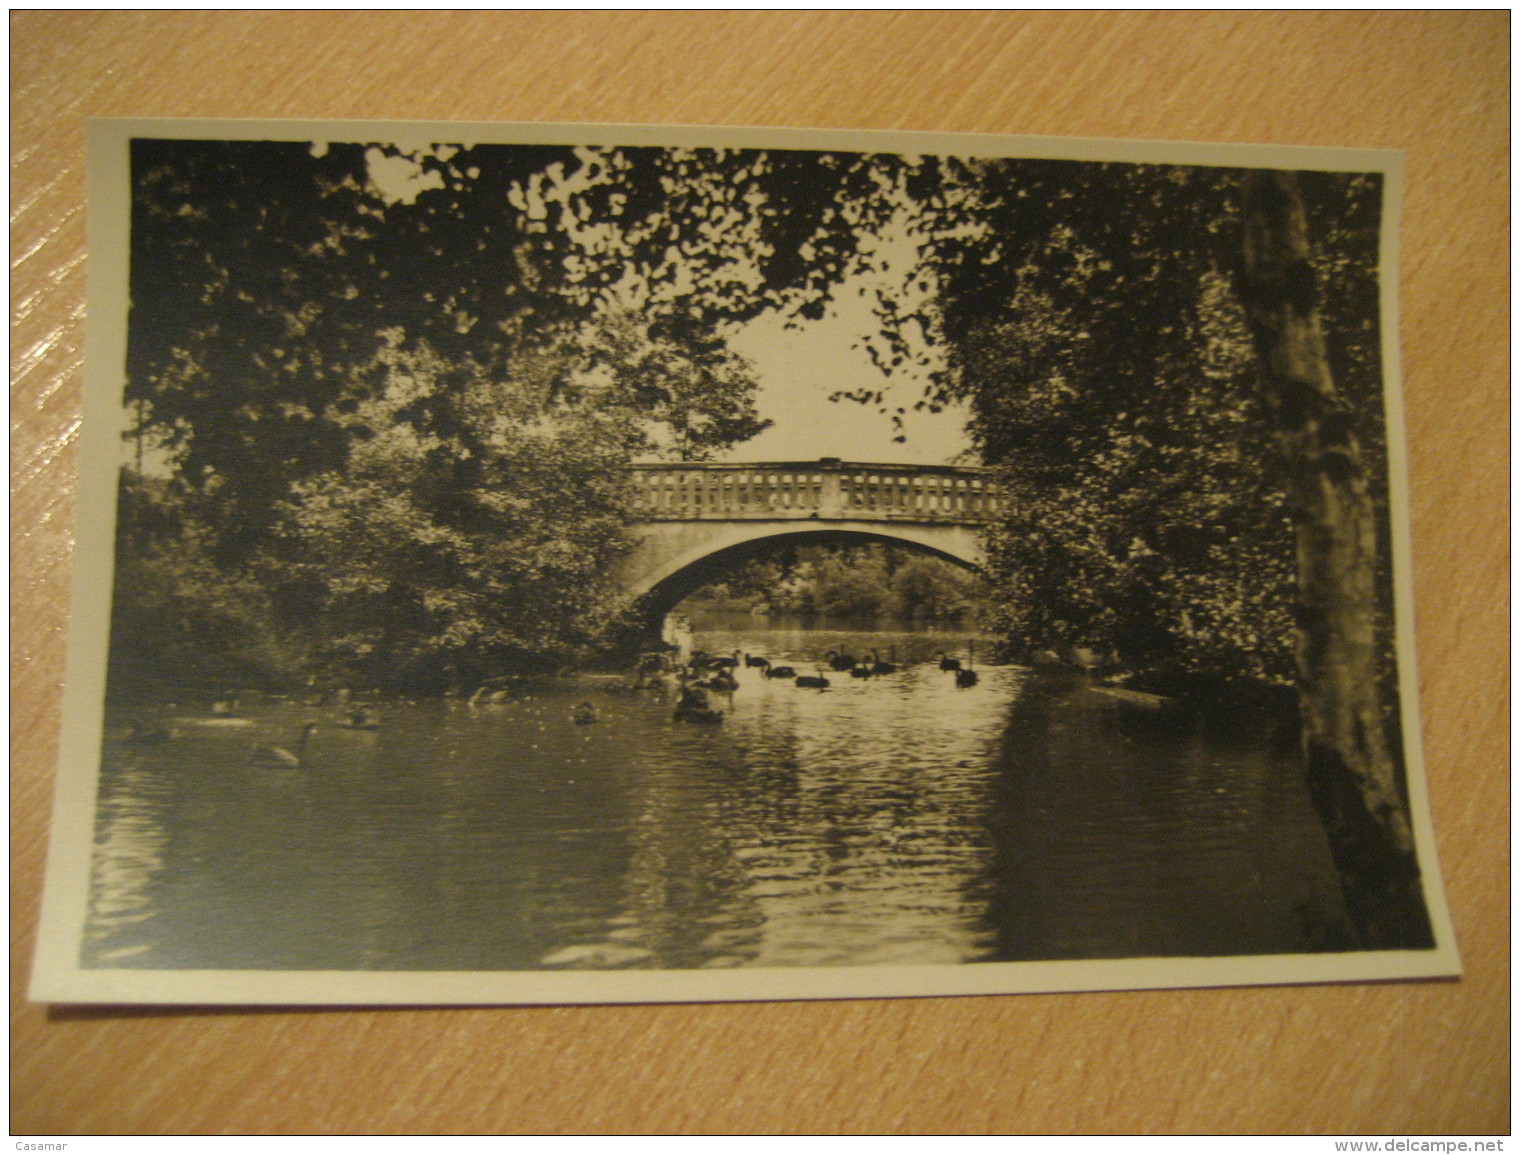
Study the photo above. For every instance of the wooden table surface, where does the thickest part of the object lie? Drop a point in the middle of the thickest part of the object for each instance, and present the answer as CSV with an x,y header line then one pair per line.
x,y
1365,1058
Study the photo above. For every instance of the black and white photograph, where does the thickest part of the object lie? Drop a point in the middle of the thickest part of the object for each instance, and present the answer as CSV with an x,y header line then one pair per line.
x,y
592,564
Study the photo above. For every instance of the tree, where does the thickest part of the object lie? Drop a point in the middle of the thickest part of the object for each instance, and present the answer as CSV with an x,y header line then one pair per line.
x,y
181,626
925,587
238,349
1169,427
267,278
1351,771
853,583
439,358
431,561
695,396
1144,518
872,579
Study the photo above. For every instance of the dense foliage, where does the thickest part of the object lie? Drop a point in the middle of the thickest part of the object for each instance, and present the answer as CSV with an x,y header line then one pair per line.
x,y
1094,324
393,387
382,398
181,623
852,581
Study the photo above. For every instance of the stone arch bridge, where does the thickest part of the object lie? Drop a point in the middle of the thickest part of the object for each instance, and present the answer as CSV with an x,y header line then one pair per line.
x,y
698,520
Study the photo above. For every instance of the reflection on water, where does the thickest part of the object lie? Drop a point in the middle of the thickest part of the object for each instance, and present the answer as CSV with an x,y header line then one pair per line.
x,y
128,853
895,819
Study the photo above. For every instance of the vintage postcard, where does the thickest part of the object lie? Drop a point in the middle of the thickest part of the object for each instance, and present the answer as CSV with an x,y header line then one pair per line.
x,y
524,564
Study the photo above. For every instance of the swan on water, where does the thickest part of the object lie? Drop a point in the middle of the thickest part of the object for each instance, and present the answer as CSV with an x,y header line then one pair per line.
x,y
279,756
695,707
967,677
723,681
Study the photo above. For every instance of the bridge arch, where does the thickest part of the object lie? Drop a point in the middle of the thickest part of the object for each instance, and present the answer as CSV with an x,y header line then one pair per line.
x,y
683,568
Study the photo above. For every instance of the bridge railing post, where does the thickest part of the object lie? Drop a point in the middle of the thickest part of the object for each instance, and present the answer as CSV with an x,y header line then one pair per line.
x,y
831,495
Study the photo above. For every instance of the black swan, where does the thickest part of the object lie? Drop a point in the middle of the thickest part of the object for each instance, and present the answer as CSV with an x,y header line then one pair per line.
x,y
694,707
723,681
967,677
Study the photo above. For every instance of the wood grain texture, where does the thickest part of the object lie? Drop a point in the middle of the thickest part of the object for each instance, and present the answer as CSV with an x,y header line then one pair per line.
x,y
1385,1058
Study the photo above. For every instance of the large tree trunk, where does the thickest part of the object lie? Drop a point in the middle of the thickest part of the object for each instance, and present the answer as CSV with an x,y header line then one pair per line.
x,y
1351,771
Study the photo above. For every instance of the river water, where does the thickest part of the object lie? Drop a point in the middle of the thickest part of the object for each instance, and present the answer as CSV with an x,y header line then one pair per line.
x,y
897,819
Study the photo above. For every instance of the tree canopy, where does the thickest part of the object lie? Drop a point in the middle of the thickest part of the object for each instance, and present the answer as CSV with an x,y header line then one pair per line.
x,y
318,326
436,361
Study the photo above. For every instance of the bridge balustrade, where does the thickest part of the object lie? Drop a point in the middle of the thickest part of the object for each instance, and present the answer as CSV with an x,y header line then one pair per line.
x,y
822,490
